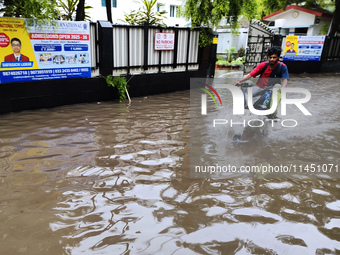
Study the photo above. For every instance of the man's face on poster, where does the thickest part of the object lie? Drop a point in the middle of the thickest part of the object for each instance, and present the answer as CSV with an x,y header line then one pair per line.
x,y
16,46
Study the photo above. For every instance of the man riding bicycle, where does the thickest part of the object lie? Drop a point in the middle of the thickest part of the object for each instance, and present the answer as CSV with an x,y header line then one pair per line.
x,y
270,72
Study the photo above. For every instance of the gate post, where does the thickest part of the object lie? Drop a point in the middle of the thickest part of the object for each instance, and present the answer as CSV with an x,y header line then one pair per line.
x,y
212,56
105,34
277,41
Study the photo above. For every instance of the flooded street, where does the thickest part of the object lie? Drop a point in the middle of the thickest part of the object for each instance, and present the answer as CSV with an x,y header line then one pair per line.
x,y
106,178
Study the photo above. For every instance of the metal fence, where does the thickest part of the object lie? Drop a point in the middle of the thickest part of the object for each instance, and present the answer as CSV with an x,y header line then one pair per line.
x,y
331,49
134,53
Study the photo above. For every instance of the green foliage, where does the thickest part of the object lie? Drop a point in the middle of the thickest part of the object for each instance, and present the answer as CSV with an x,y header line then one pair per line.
x,y
219,57
222,62
209,13
120,84
238,61
206,37
34,9
230,52
146,15
324,29
69,8
241,52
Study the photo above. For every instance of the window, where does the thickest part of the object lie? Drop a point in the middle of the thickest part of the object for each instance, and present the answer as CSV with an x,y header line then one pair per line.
x,y
301,31
173,9
114,3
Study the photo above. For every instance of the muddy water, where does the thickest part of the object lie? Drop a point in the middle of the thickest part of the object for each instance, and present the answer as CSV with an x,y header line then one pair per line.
x,y
106,178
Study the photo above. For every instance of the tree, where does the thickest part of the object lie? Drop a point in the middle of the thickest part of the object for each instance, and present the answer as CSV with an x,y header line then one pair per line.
x,y
80,14
38,9
108,10
146,15
335,28
74,10
209,13
69,8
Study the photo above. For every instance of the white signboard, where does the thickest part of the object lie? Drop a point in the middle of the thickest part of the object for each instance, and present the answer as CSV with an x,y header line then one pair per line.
x,y
164,41
303,48
43,52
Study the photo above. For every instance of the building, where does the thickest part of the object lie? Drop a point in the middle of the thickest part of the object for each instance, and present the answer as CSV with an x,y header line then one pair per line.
x,y
299,20
121,7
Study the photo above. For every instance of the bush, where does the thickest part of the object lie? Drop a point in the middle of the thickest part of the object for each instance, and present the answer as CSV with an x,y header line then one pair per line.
x,y
120,84
241,52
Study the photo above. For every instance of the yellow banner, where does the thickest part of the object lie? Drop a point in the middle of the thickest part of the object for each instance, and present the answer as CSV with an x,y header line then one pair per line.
x,y
15,44
291,47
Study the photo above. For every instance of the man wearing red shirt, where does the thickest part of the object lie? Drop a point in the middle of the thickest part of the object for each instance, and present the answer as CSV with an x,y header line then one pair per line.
x,y
270,72
16,56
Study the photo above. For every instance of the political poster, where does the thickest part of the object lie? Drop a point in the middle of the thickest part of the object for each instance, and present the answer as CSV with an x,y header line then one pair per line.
x,y
32,52
303,48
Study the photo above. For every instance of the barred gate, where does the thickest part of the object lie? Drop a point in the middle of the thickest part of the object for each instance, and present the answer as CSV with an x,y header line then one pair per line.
x,y
260,39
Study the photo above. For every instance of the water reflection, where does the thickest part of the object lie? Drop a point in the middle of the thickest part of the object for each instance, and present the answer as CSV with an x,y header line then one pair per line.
x,y
109,179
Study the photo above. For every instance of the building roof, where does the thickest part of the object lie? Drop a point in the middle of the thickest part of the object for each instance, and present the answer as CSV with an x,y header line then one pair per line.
x,y
317,12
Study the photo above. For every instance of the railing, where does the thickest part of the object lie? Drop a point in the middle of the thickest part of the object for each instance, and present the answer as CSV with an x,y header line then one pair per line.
x,y
331,49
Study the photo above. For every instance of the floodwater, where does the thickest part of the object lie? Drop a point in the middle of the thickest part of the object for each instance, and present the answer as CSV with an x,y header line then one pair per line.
x,y
106,178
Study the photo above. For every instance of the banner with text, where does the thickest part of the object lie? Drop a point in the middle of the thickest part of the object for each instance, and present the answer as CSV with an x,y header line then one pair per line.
x,y
32,52
303,48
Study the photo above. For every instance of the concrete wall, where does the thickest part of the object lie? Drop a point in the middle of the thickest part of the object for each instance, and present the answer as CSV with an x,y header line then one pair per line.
x,y
21,96
226,39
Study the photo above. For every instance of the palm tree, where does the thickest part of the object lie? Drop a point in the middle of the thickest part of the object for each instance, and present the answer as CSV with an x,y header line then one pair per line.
x,y
146,15
74,7
80,13
68,7
108,10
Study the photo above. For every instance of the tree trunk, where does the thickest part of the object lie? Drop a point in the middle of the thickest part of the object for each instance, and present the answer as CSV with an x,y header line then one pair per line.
x,y
109,10
336,19
80,13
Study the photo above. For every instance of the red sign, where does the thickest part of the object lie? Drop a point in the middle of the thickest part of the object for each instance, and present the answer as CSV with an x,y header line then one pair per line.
x,y
164,41
52,36
4,40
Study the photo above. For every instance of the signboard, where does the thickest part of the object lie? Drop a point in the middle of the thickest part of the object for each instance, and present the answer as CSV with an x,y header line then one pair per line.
x,y
164,41
43,52
303,48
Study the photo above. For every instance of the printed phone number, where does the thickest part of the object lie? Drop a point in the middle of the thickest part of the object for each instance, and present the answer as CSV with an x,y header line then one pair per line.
x,y
315,168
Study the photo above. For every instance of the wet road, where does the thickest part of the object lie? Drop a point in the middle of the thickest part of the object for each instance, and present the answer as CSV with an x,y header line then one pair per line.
x,y
105,178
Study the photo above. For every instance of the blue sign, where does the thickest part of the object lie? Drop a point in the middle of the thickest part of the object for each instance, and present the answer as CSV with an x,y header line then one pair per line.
x,y
76,47
16,64
44,74
47,47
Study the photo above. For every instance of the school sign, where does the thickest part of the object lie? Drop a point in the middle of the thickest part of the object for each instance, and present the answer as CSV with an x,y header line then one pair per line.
x,y
303,48
33,52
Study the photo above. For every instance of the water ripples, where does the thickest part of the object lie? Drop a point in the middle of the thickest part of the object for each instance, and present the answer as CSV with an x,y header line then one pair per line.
x,y
110,179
